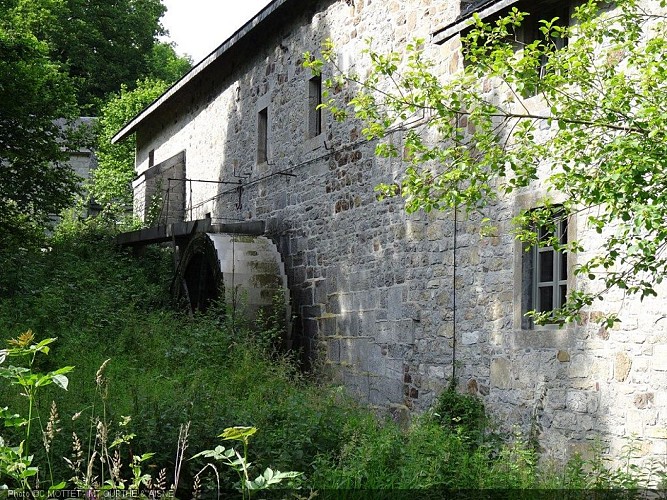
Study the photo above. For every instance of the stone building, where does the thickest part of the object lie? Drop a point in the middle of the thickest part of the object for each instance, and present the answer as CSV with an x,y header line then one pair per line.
x,y
395,305
82,160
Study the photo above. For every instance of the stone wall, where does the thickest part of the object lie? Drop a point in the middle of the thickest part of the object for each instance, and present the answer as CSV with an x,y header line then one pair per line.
x,y
394,305
83,160
162,189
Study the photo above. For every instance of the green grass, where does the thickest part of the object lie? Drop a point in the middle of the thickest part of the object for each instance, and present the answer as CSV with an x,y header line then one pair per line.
x,y
167,368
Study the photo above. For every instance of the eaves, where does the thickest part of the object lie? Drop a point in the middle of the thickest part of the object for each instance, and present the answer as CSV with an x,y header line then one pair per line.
x,y
483,8
265,19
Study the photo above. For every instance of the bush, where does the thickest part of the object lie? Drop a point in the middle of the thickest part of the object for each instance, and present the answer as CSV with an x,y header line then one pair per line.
x,y
461,413
167,369
378,455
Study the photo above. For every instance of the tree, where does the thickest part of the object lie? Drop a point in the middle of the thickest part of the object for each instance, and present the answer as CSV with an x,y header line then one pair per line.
x,y
58,58
34,92
604,97
164,64
112,179
104,43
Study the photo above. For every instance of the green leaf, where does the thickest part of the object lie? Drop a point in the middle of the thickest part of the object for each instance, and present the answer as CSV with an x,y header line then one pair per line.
x,y
29,472
12,419
61,381
57,487
218,453
238,433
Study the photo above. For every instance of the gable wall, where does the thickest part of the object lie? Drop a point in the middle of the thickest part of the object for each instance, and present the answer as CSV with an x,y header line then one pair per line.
x,y
374,288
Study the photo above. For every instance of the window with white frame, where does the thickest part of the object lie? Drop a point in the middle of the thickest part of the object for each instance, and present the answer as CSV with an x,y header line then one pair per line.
x,y
550,276
545,269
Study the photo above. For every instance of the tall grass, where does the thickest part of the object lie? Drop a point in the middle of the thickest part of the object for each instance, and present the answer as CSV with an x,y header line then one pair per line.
x,y
164,369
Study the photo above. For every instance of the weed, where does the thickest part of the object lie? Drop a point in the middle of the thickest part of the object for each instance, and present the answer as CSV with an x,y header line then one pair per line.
x,y
240,464
168,369
463,413
16,462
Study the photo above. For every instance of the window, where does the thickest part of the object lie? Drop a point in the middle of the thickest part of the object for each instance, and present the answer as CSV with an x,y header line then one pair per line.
x,y
545,269
151,158
529,31
314,100
550,277
262,135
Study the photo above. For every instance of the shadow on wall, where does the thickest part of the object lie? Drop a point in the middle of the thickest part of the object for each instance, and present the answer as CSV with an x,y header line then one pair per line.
x,y
268,149
384,298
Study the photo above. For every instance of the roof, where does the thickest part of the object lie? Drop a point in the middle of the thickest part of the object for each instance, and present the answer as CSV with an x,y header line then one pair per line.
x,y
205,64
254,25
470,6
482,7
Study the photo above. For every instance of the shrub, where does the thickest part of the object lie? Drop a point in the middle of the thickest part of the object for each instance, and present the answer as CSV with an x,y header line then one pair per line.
x,y
166,368
462,413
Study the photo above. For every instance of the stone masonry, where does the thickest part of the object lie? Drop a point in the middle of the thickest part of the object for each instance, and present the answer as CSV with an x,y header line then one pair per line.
x,y
394,305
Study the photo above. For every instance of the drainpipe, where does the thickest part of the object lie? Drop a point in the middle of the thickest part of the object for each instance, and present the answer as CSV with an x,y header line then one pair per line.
x,y
454,301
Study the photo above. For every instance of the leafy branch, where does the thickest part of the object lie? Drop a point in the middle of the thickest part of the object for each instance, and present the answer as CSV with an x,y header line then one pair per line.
x,y
582,110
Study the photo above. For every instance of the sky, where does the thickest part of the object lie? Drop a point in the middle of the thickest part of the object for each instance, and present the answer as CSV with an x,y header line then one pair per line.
x,y
199,26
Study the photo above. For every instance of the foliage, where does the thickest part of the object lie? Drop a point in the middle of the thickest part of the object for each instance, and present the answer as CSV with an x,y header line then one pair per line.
x,y
101,470
427,455
112,179
378,455
20,241
166,369
35,92
240,464
59,59
588,120
103,45
16,462
164,64
463,413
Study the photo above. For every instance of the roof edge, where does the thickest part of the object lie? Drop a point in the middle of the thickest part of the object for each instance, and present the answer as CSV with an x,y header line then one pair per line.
x,y
463,22
223,48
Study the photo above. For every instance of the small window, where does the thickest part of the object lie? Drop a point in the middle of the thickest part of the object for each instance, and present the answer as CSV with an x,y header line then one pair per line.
x,y
314,101
262,135
151,158
545,269
529,31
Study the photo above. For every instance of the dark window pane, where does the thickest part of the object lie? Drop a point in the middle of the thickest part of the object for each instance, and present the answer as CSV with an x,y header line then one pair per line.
x,y
563,230
314,100
546,266
563,295
545,299
262,135
563,266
